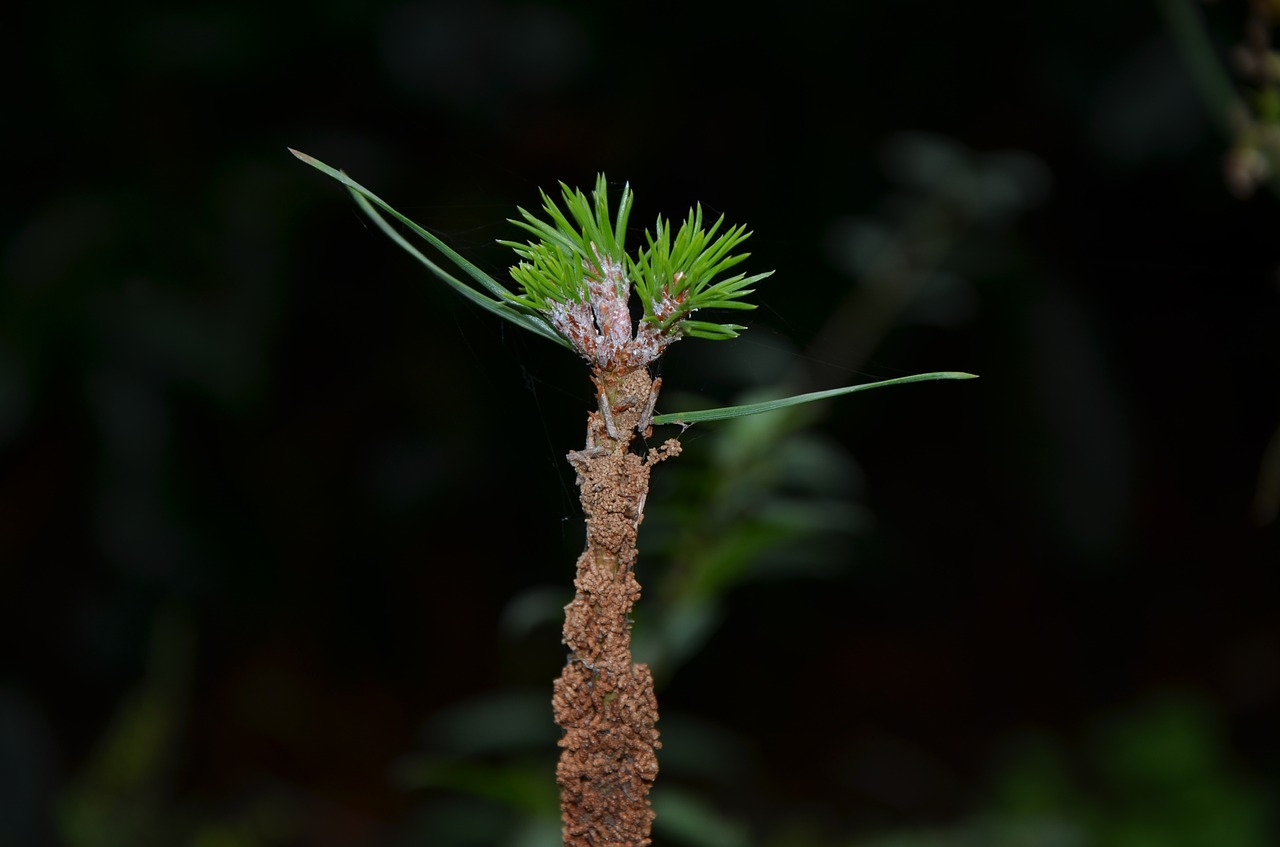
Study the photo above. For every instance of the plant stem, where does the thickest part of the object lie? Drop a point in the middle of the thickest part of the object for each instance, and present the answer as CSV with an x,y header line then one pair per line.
x,y
604,703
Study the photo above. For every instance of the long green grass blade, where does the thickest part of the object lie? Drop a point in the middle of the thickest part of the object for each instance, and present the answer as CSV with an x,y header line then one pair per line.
x,y
496,304
500,308
725,412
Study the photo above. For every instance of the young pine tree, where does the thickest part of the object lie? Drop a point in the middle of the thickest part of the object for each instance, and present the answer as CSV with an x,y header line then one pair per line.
x,y
574,285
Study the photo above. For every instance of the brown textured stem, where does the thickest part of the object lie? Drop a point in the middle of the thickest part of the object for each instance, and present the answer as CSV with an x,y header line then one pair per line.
x,y
604,703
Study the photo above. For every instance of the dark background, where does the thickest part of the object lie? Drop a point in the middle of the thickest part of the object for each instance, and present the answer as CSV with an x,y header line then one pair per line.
x,y
271,497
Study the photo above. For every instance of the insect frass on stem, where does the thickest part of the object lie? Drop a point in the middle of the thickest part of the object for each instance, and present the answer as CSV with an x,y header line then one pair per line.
x,y
603,701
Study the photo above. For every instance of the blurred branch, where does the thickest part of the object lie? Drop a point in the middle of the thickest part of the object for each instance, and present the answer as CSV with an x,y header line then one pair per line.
x,y
1213,83
1266,502
1254,129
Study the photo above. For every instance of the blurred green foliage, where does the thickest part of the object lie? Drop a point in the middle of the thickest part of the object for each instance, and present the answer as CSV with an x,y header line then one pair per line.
x,y
1158,773
124,798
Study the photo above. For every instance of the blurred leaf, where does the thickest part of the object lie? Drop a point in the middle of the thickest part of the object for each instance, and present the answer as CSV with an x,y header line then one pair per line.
x,y
524,786
684,818
502,722
120,797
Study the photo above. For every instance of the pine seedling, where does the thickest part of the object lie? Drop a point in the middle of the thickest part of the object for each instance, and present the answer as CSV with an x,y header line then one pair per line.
x,y
574,283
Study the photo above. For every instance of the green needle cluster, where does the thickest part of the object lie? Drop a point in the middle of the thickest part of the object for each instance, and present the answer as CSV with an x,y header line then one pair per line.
x,y
578,255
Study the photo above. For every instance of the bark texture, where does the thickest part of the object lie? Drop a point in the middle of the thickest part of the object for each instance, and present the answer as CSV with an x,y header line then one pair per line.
x,y
604,703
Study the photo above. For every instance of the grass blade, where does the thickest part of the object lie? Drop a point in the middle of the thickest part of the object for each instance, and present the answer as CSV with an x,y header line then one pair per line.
x,y
498,307
726,412
496,304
